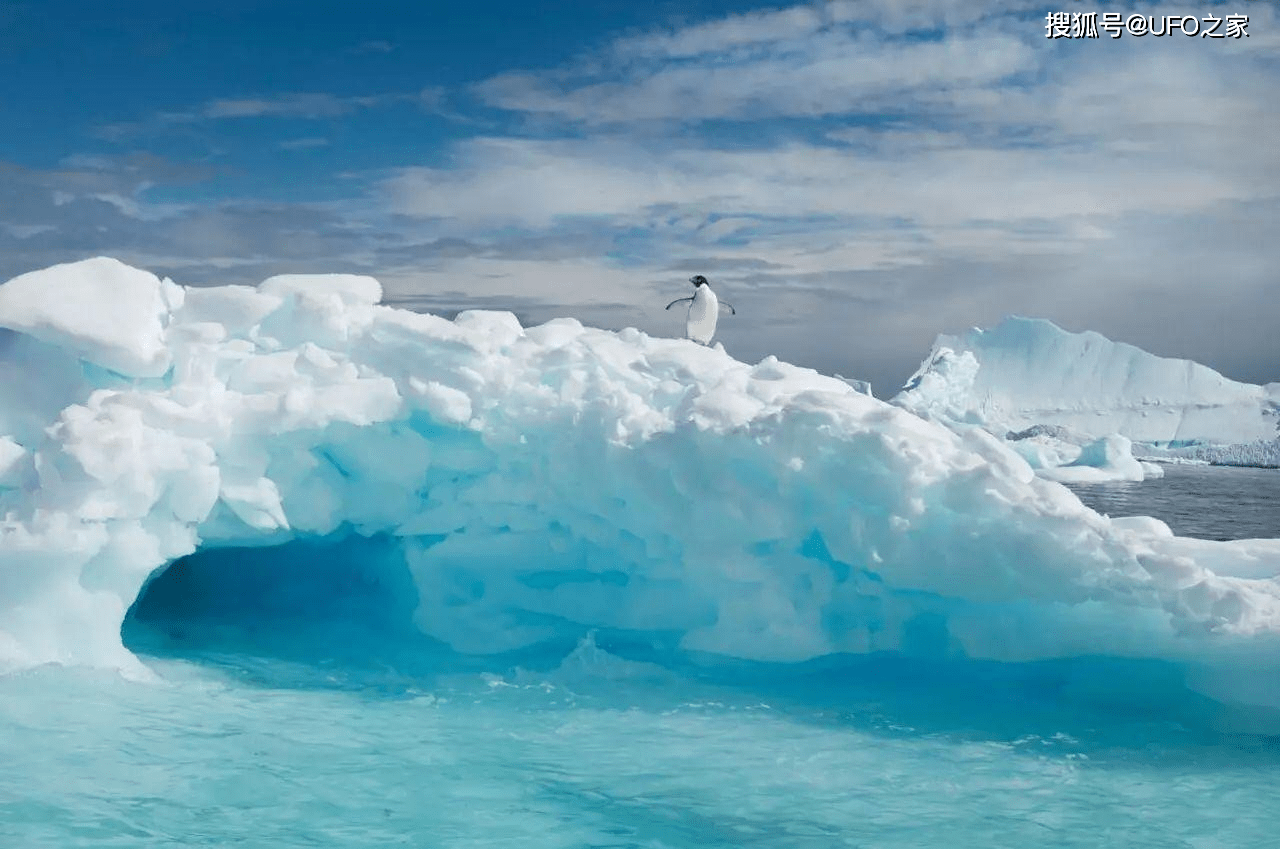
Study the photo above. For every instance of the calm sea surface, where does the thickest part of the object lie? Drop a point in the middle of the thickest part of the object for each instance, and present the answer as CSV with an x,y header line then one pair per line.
x,y
1211,502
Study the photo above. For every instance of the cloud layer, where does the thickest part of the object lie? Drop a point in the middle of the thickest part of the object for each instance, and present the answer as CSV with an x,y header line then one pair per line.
x,y
858,176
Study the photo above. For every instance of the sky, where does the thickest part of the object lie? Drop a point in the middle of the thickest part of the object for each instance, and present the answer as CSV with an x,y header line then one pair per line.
x,y
854,176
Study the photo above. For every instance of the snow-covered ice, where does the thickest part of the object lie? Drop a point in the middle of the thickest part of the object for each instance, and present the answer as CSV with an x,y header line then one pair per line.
x,y
1107,459
100,309
533,483
1026,373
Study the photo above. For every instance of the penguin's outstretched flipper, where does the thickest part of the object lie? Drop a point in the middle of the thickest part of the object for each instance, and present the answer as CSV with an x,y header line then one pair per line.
x,y
678,301
732,311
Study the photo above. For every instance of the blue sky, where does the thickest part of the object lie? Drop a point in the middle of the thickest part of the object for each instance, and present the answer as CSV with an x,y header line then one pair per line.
x,y
855,175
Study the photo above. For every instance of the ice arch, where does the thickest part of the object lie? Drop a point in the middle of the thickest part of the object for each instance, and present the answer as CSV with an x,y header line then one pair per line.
x,y
534,481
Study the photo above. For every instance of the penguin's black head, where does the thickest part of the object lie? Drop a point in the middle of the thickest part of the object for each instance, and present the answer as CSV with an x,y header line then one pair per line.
x,y
698,280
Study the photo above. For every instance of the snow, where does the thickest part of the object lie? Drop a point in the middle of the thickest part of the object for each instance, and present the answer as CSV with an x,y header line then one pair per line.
x,y
1029,372
862,386
349,288
537,483
1106,459
100,309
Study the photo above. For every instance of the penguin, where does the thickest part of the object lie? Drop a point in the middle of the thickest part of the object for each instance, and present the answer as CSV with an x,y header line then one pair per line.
x,y
704,309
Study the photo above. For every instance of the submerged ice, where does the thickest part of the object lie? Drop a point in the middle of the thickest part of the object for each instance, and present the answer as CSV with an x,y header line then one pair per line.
x,y
516,486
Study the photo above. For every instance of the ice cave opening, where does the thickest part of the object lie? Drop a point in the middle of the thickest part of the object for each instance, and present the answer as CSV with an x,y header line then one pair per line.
x,y
341,597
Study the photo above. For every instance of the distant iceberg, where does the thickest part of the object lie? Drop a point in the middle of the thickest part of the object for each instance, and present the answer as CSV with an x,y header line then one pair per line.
x,y
516,486
1029,373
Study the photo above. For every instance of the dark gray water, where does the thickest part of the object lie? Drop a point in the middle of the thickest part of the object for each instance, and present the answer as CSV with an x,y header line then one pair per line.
x,y
1210,502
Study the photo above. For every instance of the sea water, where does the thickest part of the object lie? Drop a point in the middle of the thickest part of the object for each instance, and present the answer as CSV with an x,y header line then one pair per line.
x,y
253,737
241,753
1211,502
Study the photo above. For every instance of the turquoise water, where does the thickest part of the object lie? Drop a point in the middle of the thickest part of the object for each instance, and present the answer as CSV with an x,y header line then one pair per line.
x,y
265,728
600,752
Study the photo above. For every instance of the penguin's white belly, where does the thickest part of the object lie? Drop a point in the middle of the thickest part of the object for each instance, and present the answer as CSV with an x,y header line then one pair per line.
x,y
703,312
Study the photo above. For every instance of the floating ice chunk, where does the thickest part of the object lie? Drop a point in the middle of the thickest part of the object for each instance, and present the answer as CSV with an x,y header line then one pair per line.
x,y
99,309
351,288
1151,471
1106,459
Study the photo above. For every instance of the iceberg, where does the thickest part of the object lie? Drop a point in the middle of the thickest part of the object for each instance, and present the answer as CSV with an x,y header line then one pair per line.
x,y
505,487
1029,373
1106,459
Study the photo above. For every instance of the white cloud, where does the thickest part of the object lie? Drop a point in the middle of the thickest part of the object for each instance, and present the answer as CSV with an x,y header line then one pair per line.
x,y
306,105
304,143
534,183
297,105
577,281
734,31
26,231
292,105
933,162
990,129
373,47
830,74
138,206
897,167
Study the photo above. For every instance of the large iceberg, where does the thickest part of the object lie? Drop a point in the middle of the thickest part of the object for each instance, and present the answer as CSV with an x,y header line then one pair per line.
x,y
524,485
1028,377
